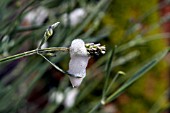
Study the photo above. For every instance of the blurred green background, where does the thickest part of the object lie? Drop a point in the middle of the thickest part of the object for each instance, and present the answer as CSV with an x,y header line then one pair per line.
x,y
138,29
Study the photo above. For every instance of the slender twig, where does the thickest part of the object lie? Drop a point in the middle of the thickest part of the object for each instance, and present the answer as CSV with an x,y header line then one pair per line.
x,y
58,68
113,80
33,52
98,105
53,64
108,70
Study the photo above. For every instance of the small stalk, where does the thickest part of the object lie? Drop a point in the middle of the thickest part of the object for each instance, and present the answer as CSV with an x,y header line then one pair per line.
x,y
33,52
113,80
93,110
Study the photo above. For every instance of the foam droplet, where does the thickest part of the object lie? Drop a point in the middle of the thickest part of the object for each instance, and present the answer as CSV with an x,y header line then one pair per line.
x,y
78,62
75,81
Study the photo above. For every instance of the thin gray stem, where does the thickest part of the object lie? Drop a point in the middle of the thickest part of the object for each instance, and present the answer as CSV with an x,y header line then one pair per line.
x,y
32,52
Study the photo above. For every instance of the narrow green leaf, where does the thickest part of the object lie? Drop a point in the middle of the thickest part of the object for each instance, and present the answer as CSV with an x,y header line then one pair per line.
x,y
138,74
113,80
108,70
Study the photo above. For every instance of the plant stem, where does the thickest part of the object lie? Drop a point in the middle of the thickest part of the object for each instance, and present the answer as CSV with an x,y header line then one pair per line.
x,y
53,64
32,52
95,108
112,82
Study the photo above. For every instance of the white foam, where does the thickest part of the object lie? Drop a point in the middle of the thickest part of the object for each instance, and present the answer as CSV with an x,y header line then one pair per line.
x,y
78,62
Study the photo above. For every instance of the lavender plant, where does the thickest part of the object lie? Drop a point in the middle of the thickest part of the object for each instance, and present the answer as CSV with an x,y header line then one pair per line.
x,y
79,53
21,73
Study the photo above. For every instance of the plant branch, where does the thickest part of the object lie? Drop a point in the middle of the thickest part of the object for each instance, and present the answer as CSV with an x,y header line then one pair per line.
x,y
33,52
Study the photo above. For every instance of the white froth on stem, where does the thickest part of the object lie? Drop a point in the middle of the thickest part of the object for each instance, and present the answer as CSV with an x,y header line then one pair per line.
x,y
78,63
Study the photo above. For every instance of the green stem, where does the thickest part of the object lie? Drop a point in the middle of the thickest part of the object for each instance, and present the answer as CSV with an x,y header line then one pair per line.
x,y
108,70
53,64
98,105
32,52
112,82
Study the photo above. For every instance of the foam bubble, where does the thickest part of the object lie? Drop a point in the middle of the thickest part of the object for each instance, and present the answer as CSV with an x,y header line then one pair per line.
x,y
78,62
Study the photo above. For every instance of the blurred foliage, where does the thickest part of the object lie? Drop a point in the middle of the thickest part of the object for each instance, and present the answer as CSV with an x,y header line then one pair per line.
x,y
130,19
134,26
